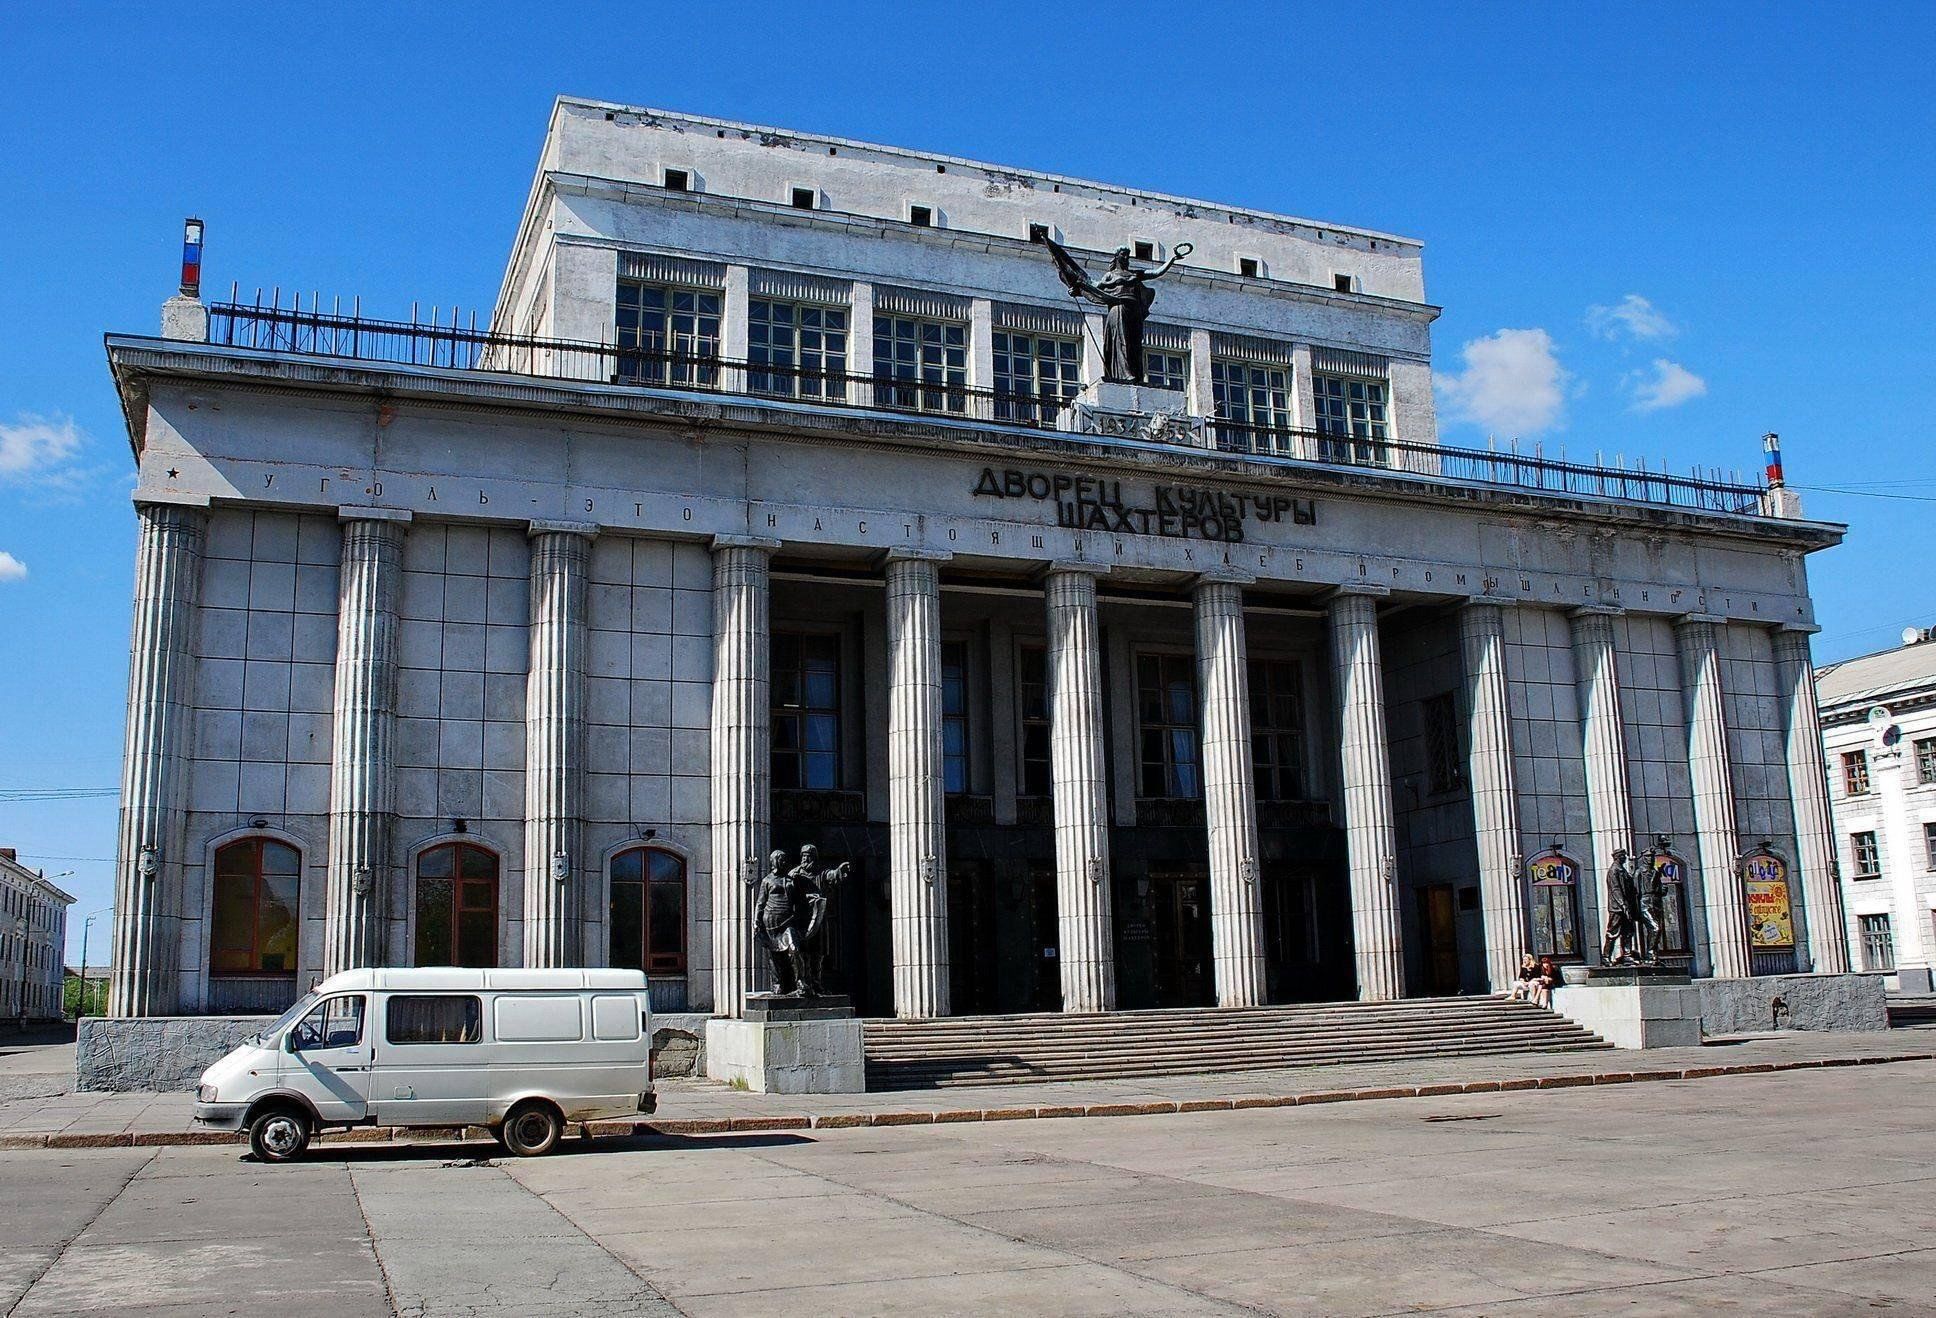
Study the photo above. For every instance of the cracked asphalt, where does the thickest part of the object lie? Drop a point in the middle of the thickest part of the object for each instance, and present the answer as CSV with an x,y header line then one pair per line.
x,y
1806,1192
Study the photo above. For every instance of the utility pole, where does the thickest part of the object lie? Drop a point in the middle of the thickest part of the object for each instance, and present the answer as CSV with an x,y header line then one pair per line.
x,y
87,926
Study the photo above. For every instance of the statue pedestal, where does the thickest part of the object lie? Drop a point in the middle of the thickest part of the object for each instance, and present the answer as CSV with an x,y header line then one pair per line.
x,y
789,1045
1132,411
1632,1006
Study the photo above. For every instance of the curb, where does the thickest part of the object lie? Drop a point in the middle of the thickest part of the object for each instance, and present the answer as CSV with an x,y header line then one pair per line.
x,y
926,1117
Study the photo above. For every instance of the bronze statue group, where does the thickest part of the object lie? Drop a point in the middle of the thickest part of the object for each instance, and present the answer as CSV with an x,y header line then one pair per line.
x,y
790,912
1636,909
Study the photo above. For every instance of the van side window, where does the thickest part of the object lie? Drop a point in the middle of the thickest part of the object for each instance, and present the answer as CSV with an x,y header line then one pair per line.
x,y
334,1023
434,1018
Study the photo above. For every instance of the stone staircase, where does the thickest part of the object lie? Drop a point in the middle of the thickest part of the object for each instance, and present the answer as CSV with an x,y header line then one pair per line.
x,y
990,1050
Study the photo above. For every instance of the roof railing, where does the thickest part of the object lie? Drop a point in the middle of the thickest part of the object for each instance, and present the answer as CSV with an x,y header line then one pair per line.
x,y
695,366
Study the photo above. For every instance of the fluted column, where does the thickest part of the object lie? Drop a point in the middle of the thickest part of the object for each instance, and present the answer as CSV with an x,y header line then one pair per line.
x,y
362,760
1495,791
916,824
1609,804
1229,793
742,739
148,865
1365,771
1828,942
555,872
1707,763
1085,944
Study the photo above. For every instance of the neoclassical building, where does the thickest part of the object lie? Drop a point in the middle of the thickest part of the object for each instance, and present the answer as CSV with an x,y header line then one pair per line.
x,y
782,500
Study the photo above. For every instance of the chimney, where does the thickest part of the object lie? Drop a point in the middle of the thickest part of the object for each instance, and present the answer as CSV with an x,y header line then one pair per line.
x,y
183,316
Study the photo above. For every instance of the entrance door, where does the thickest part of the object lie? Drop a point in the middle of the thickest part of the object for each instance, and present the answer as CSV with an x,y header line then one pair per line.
x,y
1439,938
1184,973
1046,943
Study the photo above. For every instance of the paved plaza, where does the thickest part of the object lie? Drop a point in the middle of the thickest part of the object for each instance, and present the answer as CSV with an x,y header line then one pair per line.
x,y
1796,1192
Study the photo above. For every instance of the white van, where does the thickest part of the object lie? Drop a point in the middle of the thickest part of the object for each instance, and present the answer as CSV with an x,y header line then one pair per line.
x,y
520,1051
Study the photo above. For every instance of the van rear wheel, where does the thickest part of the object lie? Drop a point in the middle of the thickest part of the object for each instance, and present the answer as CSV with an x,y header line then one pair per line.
x,y
280,1134
531,1129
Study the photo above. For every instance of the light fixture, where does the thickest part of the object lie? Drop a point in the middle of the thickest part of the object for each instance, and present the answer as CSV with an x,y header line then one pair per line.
x,y
459,826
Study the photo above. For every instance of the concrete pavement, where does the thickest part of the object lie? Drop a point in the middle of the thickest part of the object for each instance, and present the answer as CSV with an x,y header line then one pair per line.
x,y
1809,1191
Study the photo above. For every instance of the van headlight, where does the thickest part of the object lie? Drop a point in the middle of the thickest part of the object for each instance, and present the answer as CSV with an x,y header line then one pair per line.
x,y
204,1093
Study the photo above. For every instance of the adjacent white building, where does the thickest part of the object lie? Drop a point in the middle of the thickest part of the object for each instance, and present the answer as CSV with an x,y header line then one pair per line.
x,y
783,501
33,942
1879,742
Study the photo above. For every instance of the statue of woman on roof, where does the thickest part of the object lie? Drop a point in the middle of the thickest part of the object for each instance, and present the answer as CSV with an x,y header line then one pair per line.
x,y
1126,294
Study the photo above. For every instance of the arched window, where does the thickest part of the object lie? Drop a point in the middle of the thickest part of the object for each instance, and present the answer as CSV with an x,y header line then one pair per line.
x,y
1555,882
456,906
649,911
1673,902
254,923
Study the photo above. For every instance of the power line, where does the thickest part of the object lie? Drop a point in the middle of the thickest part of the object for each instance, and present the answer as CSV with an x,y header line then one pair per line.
x,y
56,793
1866,494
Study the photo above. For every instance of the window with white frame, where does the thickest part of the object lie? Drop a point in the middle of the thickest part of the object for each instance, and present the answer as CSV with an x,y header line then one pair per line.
x,y
1035,375
921,365
1352,419
1925,761
1252,401
796,349
1166,370
667,334
1855,772
1866,854
1878,944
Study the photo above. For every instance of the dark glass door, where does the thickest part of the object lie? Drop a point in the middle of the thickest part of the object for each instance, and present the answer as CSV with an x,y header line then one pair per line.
x,y
1439,939
1181,903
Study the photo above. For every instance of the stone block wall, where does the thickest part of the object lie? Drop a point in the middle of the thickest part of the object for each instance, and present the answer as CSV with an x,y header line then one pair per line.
x,y
150,1054
1548,755
463,651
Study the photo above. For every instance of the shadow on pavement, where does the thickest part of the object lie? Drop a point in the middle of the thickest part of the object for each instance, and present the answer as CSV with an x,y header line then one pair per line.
x,y
480,1153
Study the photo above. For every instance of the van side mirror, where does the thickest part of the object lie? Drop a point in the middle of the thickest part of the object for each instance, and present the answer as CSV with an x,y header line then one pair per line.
x,y
289,1044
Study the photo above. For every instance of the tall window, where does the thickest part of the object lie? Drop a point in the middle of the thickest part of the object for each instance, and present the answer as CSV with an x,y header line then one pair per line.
x,y
1929,844
1868,856
457,906
1855,772
1166,704
1878,944
1254,402
1925,761
667,335
803,346
806,711
1351,417
253,928
1166,370
1554,878
1034,376
649,911
1444,766
1031,681
954,716
930,353
1277,728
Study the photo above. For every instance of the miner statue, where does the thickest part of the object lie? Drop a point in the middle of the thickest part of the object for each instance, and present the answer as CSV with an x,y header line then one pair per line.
x,y
1651,909
790,914
1623,901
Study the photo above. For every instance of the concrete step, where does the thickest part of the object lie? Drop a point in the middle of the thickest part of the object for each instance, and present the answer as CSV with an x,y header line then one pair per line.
x,y
966,1050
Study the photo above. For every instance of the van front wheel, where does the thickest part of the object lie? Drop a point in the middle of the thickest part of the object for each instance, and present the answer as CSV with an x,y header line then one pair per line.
x,y
279,1135
531,1129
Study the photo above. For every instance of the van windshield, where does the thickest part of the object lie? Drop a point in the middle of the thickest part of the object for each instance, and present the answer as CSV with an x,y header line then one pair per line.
x,y
284,1021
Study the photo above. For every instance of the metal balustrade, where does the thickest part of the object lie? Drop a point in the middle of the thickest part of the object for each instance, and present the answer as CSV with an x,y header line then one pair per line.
x,y
462,347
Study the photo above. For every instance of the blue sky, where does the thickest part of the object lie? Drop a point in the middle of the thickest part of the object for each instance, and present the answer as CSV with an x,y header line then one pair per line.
x,y
1655,229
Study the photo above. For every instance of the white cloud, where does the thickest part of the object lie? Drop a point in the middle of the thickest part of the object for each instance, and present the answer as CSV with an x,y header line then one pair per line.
x,y
40,450
1633,317
1670,385
11,568
1512,382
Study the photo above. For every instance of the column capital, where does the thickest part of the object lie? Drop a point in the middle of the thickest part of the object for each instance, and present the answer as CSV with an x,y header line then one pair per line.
x,y
745,542
586,529
1693,619
1223,576
918,555
1596,611
1079,566
1797,628
1366,589
1488,601
368,513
